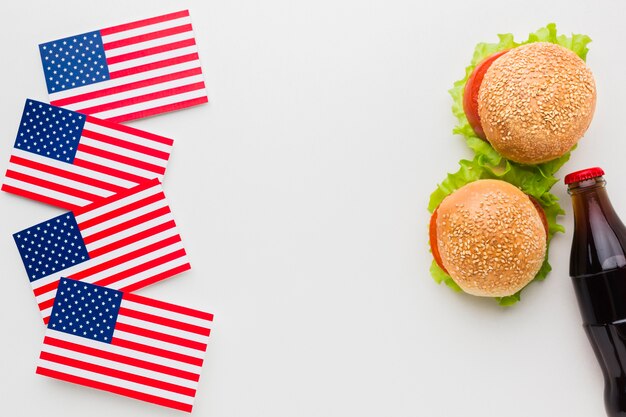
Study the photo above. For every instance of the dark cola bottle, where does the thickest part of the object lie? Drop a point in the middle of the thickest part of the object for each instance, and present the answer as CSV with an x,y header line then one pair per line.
x,y
598,271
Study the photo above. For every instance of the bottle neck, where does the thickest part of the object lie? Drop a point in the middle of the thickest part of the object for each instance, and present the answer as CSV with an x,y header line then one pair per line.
x,y
590,200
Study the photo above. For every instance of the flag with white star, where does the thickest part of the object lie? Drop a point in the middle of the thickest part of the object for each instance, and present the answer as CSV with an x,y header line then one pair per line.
x,y
126,242
69,159
126,344
127,71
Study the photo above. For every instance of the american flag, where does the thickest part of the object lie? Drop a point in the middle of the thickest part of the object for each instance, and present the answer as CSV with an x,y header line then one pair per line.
x,y
69,160
125,242
128,71
125,344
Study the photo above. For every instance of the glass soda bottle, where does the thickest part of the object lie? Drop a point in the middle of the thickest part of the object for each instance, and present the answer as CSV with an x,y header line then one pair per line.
x,y
598,272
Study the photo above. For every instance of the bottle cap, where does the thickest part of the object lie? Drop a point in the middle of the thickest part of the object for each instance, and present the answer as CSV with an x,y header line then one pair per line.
x,y
584,174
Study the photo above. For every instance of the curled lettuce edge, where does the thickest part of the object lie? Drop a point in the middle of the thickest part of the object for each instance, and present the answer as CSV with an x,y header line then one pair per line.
x,y
534,180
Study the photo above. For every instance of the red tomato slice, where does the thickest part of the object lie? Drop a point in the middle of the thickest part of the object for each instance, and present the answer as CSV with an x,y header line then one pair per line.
x,y
470,94
542,214
433,240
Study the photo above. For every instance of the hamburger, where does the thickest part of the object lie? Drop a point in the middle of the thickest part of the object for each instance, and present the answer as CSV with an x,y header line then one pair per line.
x,y
531,101
489,237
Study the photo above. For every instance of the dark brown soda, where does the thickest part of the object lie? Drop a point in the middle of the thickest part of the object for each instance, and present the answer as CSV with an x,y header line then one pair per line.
x,y
598,271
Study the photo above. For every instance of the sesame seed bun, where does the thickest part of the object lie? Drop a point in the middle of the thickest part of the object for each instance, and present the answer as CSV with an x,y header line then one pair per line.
x,y
536,101
491,238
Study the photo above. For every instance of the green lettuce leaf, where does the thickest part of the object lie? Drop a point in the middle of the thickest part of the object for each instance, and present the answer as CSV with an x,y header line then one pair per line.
x,y
440,276
534,180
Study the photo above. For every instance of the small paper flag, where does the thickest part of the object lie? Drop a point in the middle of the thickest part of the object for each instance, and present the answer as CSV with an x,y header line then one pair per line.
x,y
125,242
125,344
127,71
70,160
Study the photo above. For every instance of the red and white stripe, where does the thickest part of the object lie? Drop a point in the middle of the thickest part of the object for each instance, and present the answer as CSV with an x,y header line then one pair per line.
x,y
132,241
110,158
155,355
153,66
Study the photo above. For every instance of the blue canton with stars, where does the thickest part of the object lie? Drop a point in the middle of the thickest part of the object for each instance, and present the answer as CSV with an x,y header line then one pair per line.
x,y
51,246
73,62
85,310
50,131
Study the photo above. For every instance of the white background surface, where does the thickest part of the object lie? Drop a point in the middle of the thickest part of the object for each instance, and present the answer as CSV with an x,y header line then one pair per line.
x,y
300,192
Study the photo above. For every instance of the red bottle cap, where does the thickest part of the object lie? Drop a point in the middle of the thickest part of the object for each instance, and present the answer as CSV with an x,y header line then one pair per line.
x,y
584,174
